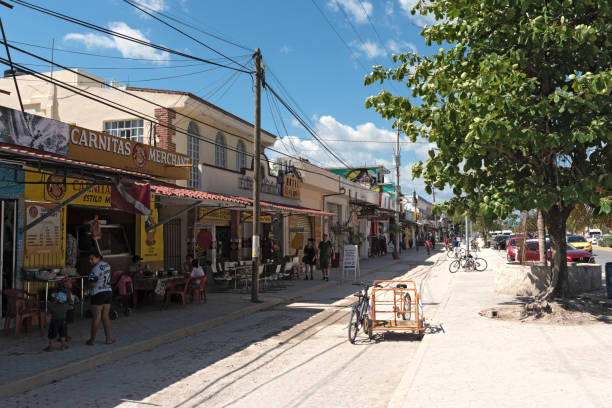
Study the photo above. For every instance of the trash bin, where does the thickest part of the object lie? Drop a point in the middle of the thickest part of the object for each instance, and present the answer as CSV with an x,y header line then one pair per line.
x,y
609,279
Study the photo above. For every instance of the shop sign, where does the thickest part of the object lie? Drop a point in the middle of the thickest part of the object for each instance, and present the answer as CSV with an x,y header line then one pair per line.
x,y
46,236
218,217
268,185
47,187
97,147
150,244
291,186
247,217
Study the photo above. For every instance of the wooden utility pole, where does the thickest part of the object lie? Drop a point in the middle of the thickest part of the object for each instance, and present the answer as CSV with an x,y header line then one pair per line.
x,y
255,252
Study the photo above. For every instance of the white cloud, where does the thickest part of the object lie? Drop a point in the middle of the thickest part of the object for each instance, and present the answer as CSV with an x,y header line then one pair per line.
x,y
126,48
400,46
285,49
371,49
389,8
295,123
354,9
419,19
153,5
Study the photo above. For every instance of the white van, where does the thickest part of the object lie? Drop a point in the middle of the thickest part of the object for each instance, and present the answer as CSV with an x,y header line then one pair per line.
x,y
594,235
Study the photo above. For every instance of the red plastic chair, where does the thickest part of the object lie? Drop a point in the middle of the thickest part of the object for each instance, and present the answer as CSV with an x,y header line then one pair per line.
x,y
22,306
197,293
175,289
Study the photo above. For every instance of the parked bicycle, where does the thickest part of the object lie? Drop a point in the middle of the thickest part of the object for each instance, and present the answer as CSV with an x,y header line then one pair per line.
x,y
452,254
468,263
359,312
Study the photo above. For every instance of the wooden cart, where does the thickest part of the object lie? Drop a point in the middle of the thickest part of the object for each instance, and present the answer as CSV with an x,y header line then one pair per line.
x,y
396,306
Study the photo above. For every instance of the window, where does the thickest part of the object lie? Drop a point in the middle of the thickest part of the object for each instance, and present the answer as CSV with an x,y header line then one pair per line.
x,y
220,150
127,129
193,151
240,156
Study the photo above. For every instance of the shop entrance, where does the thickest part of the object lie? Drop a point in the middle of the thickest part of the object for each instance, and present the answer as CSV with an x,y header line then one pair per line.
x,y
172,244
223,243
8,242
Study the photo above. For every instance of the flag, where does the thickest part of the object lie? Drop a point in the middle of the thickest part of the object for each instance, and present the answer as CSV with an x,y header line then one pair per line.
x,y
135,199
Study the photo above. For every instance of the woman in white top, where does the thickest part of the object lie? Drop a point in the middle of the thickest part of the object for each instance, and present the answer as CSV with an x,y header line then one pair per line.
x,y
196,272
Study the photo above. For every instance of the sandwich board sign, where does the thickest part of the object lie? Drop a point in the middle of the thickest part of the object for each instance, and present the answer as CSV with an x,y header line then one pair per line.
x,y
350,261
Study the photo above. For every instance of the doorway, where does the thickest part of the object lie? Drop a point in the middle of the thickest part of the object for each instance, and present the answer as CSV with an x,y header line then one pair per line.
x,y
8,243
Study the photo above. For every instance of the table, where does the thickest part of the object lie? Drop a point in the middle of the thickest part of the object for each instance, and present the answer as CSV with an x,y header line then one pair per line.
x,y
81,277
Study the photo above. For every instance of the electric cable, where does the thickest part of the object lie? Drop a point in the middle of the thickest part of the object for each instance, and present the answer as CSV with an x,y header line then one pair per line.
x,y
92,26
373,27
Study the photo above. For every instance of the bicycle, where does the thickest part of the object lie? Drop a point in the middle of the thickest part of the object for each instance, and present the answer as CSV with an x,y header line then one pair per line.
x,y
452,254
359,313
406,304
468,263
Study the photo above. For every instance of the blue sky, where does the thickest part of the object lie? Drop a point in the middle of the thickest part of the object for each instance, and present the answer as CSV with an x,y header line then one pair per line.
x,y
321,72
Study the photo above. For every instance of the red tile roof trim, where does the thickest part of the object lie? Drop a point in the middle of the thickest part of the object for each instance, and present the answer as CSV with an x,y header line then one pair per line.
x,y
195,194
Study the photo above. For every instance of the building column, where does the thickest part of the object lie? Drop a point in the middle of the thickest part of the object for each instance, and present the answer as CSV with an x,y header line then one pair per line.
x,y
165,133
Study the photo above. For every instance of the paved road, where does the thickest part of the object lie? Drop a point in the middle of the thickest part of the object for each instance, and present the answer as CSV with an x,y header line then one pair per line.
x,y
602,255
292,355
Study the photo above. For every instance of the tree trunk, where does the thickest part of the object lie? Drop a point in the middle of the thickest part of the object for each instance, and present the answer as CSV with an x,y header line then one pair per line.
x,y
541,239
556,218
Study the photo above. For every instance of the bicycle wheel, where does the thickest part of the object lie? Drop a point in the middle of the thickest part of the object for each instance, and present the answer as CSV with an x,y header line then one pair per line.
x,y
450,253
481,264
353,327
407,307
454,266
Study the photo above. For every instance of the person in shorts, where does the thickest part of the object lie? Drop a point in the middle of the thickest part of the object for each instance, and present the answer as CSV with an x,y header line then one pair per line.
x,y
56,319
101,296
310,258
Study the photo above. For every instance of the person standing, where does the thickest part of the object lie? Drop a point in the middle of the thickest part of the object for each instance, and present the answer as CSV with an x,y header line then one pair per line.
x,y
325,250
310,258
101,296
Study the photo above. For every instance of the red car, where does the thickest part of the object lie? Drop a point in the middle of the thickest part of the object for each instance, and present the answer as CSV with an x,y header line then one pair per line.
x,y
572,254
512,247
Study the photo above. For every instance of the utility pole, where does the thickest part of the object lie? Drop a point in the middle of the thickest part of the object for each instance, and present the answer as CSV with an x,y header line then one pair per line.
x,y
255,252
416,224
433,193
397,194
467,243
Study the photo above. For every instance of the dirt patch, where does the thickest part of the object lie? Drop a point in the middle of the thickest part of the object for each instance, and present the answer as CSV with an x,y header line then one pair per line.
x,y
574,311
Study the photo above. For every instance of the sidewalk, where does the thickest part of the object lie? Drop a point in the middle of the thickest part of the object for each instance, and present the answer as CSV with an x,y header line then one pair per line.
x,y
481,362
26,366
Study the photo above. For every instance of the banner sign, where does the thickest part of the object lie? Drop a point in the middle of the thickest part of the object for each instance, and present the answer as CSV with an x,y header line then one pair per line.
x,y
90,146
45,237
97,147
150,244
219,217
135,199
47,187
247,217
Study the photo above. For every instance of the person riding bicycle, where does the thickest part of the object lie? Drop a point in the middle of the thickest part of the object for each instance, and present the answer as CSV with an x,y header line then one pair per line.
x,y
456,246
447,243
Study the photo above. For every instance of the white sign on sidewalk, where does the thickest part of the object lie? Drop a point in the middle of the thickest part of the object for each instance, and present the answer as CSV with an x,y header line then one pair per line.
x,y
350,261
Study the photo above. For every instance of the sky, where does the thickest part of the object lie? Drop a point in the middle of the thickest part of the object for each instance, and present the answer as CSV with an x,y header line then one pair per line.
x,y
316,54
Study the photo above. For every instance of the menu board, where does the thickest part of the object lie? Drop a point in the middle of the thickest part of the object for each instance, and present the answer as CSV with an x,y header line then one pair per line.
x,y
45,237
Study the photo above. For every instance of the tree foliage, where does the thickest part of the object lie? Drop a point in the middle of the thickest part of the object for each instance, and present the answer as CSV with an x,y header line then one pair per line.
x,y
518,102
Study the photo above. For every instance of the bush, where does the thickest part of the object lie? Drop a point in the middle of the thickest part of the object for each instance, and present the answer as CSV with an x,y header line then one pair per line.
x,y
605,241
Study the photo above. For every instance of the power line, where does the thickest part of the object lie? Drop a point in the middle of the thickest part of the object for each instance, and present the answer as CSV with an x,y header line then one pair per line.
x,y
373,27
339,36
169,17
184,33
120,35
126,68
144,116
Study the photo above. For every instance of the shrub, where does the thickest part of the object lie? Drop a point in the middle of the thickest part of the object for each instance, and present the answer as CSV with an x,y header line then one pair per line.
x,y
605,241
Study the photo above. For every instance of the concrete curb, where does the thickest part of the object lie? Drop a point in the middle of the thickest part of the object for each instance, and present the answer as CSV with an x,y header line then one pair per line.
x,y
604,248
403,388
59,373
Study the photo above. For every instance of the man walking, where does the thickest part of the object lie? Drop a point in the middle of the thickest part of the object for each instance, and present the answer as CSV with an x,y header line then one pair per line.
x,y
325,249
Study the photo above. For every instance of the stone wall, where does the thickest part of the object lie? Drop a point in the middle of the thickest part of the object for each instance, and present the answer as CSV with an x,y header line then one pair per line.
x,y
530,280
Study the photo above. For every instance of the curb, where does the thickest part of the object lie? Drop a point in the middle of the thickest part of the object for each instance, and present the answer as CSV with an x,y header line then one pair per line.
x,y
604,248
403,388
59,373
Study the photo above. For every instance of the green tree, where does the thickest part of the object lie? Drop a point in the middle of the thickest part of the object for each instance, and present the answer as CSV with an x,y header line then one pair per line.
x,y
518,102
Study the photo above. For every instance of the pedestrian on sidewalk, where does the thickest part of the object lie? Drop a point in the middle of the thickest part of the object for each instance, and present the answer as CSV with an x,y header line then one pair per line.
x,y
325,250
428,245
57,323
456,247
101,297
310,258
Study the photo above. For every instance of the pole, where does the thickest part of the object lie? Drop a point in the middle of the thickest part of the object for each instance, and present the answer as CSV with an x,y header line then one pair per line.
x,y
397,193
467,243
433,193
416,224
257,179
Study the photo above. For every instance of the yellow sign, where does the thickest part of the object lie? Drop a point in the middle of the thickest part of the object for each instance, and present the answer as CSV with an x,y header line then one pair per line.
x,y
46,187
248,217
219,217
291,186
150,244
96,147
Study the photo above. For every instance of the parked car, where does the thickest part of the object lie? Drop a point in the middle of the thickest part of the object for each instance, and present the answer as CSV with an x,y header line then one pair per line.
x,y
500,242
580,242
573,254
512,247
594,235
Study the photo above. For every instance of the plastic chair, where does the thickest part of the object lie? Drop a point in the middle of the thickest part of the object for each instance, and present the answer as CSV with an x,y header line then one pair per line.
x,y
196,293
22,306
175,289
